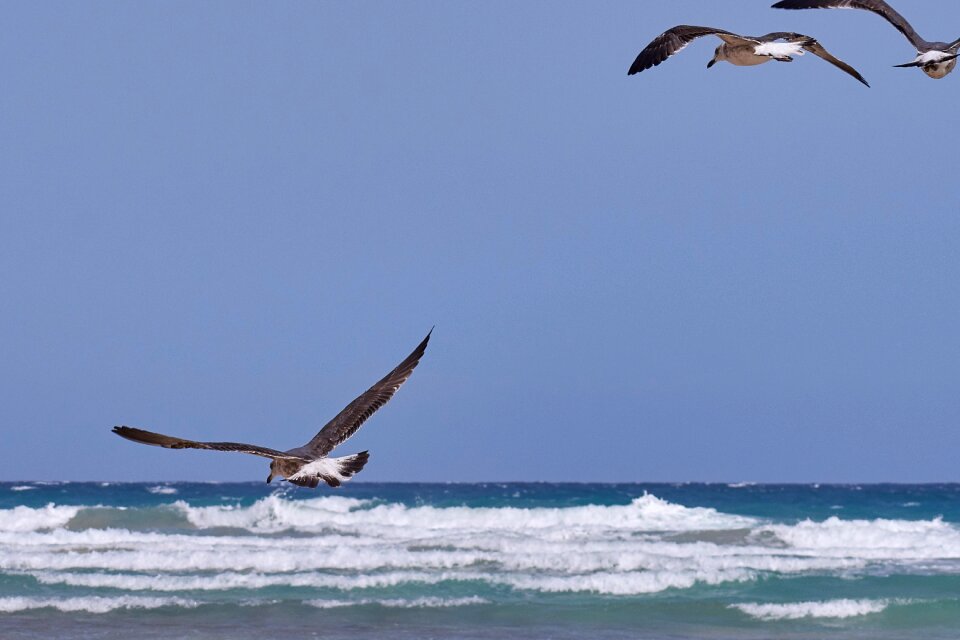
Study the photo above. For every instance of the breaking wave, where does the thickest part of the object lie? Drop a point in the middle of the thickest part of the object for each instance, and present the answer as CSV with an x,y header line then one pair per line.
x,y
163,490
829,609
27,519
91,604
273,514
344,545
399,603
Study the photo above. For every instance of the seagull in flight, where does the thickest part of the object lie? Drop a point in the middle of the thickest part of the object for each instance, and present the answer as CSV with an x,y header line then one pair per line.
x,y
306,466
743,51
936,59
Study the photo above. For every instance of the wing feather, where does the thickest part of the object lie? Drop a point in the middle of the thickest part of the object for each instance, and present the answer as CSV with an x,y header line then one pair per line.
x,y
346,423
171,442
817,49
878,7
813,46
671,42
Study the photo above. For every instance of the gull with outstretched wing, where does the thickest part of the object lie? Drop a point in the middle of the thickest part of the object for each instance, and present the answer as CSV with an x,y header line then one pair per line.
x,y
936,59
743,51
307,465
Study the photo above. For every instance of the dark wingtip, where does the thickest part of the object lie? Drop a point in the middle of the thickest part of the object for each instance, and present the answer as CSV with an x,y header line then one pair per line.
x,y
423,344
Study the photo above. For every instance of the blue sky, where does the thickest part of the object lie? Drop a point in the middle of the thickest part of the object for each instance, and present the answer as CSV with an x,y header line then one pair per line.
x,y
224,220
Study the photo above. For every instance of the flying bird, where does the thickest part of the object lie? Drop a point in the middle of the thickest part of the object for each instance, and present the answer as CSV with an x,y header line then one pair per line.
x,y
743,51
306,466
936,59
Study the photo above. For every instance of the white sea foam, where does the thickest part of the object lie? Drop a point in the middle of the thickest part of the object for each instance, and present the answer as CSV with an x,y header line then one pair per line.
x,y
28,519
646,546
91,604
163,490
826,609
230,580
23,487
414,603
872,539
633,583
272,513
647,513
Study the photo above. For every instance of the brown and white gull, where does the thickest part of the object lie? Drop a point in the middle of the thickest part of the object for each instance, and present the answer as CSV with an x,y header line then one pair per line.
x,y
936,59
743,51
306,466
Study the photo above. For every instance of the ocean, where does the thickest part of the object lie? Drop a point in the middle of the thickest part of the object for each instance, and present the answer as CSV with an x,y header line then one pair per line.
x,y
399,561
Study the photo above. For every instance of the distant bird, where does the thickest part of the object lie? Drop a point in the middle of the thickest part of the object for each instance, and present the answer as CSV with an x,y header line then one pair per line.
x,y
743,51
306,466
936,59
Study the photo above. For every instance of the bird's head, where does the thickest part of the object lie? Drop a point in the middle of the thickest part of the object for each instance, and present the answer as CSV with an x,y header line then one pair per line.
x,y
273,470
716,57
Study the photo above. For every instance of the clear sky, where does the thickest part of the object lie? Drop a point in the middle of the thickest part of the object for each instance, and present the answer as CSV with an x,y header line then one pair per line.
x,y
224,220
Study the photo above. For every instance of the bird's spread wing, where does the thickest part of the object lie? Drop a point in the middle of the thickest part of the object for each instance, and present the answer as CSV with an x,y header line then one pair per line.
x,y
878,7
817,49
814,47
346,423
170,442
673,41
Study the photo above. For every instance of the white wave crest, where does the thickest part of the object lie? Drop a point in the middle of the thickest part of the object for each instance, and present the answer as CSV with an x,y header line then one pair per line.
x,y
23,487
92,604
828,609
647,513
872,539
163,490
646,546
415,603
272,513
28,519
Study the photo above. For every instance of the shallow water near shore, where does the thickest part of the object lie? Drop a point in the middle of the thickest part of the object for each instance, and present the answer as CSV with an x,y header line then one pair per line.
x,y
244,560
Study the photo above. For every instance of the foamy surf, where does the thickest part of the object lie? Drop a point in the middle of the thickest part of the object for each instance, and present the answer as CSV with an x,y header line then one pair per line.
x,y
162,490
22,519
836,609
275,514
91,604
399,603
442,553
647,546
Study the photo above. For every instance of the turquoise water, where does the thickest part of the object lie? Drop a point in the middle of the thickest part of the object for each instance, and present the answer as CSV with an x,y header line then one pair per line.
x,y
94,560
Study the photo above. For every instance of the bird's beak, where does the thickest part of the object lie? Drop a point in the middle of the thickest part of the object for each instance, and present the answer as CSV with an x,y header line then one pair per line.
x,y
269,478
711,63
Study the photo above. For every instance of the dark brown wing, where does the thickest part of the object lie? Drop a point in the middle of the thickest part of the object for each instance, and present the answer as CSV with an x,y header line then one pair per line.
x,y
669,43
355,414
817,49
878,7
170,442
